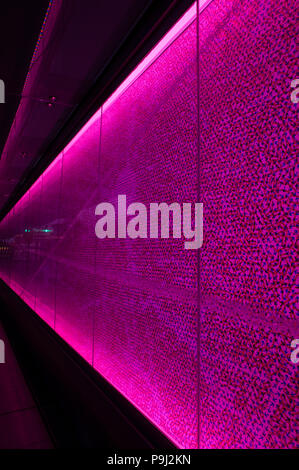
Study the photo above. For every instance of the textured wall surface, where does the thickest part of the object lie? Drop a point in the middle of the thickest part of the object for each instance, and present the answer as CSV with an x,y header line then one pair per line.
x,y
198,341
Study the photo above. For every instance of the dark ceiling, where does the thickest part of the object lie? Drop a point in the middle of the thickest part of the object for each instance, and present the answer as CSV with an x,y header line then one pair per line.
x,y
19,30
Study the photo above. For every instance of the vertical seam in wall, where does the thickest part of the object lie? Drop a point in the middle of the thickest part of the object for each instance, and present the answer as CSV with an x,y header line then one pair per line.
x,y
37,249
25,244
28,245
58,217
40,209
198,251
96,245
11,257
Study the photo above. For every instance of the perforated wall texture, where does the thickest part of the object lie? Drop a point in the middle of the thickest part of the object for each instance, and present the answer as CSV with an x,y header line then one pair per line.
x,y
198,340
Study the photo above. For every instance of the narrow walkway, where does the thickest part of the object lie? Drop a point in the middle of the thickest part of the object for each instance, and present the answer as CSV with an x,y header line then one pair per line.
x,y
21,426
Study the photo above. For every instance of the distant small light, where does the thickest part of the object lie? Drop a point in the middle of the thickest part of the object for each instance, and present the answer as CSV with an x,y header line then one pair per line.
x,y
52,101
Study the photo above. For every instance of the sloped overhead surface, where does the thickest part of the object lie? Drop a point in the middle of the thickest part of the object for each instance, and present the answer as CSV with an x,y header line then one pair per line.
x,y
20,26
76,42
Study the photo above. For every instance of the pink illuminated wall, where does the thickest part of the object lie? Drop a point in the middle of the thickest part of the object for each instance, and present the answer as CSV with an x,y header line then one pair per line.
x,y
198,342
